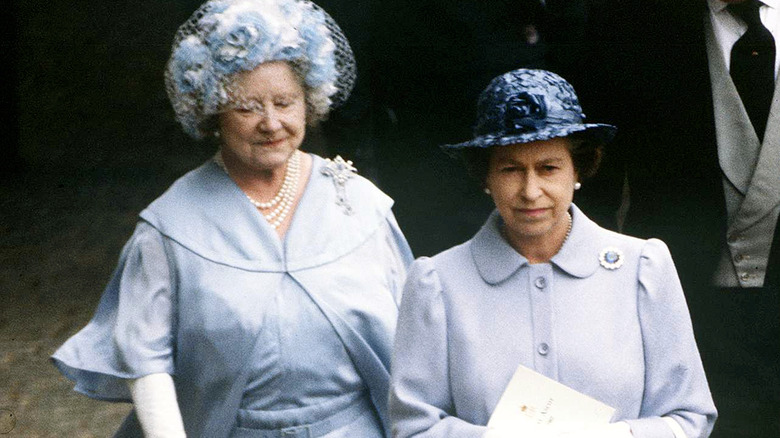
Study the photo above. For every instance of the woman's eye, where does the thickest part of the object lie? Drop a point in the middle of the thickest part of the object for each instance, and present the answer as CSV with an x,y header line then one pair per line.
x,y
244,109
549,168
283,103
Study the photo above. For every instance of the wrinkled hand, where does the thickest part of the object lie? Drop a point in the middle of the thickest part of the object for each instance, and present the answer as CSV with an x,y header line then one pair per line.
x,y
620,429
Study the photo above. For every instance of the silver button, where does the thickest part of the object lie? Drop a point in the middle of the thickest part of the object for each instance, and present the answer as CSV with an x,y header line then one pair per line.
x,y
543,349
745,276
738,258
734,238
540,282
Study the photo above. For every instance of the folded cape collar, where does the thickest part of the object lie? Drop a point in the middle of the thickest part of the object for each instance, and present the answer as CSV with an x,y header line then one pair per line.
x,y
206,212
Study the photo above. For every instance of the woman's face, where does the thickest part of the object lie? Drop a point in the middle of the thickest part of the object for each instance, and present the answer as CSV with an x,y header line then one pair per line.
x,y
269,123
532,185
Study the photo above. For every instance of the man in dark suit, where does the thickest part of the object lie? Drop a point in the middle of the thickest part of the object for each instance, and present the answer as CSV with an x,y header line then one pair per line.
x,y
703,174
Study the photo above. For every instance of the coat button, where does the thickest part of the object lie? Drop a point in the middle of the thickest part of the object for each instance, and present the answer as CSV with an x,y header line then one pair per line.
x,y
543,349
540,282
744,276
738,258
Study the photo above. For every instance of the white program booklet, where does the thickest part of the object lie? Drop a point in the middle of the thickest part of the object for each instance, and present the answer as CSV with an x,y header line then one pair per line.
x,y
532,401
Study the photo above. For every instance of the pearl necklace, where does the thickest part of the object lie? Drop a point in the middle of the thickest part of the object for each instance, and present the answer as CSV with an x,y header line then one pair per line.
x,y
568,231
565,238
282,202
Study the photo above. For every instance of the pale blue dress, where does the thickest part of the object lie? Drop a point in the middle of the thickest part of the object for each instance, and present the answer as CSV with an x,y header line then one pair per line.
x,y
264,338
472,314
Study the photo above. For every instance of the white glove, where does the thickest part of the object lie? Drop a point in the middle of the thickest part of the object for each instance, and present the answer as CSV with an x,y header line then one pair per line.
x,y
496,433
508,433
621,429
675,426
154,400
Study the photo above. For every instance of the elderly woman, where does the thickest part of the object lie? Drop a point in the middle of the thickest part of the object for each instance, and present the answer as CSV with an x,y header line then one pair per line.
x,y
258,296
541,285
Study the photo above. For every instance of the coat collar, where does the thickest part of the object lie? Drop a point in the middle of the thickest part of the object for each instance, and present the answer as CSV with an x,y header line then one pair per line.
x,y
496,260
206,212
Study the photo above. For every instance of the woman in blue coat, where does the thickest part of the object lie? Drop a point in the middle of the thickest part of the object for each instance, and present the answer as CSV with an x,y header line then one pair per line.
x,y
258,295
541,285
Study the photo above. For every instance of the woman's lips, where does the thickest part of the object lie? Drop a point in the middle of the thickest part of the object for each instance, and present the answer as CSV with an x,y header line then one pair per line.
x,y
272,143
533,212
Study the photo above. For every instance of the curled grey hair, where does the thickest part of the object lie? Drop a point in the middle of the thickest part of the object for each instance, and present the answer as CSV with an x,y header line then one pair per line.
x,y
224,37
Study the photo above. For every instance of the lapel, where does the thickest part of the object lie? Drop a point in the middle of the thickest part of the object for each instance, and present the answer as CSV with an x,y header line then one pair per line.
x,y
738,145
763,195
751,167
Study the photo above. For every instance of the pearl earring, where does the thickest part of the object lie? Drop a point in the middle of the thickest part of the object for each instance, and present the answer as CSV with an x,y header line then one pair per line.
x,y
487,191
577,185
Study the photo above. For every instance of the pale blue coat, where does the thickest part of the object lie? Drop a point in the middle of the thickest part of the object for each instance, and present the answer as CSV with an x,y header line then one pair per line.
x,y
472,314
255,330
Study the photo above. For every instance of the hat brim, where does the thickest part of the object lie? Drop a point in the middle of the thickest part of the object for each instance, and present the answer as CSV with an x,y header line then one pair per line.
x,y
599,132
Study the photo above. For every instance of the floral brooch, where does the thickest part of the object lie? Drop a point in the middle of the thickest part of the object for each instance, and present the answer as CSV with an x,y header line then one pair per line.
x,y
611,258
340,170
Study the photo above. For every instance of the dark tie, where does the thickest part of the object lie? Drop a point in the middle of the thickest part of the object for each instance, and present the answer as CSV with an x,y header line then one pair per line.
x,y
753,65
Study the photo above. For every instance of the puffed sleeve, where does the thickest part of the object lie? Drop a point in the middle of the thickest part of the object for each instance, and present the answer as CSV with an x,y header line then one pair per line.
x,y
675,384
131,333
420,399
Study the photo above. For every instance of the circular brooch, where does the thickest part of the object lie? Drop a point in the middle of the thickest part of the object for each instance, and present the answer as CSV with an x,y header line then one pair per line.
x,y
611,258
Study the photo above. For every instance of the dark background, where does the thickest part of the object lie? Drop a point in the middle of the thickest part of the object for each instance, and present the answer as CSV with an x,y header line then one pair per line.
x,y
89,139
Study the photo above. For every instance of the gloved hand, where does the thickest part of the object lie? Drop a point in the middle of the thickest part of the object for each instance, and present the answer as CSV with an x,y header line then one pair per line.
x,y
497,433
154,400
621,429
508,433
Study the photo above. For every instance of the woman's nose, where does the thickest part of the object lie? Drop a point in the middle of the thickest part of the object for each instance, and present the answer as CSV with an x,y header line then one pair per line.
x,y
531,187
269,121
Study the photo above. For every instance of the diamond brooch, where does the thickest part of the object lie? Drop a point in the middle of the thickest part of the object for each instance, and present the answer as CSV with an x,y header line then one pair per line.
x,y
340,170
611,258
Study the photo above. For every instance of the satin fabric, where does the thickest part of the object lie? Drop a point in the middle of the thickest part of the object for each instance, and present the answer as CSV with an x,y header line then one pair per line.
x,y
197,292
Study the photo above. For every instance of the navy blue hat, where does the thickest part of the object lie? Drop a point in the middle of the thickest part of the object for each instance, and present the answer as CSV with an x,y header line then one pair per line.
x,y
530,105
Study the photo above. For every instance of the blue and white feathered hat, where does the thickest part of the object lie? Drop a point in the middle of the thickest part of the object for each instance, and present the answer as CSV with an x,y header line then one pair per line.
x,y
224,37
524,105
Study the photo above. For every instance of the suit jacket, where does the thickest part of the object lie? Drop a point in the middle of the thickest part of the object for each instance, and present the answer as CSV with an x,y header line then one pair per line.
x,y
651,78
751,172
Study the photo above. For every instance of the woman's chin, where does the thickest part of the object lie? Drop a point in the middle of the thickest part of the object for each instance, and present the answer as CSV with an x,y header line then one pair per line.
x,y
272,158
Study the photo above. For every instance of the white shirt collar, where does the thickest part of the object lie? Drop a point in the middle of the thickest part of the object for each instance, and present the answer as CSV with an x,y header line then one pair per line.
x,y
718,5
